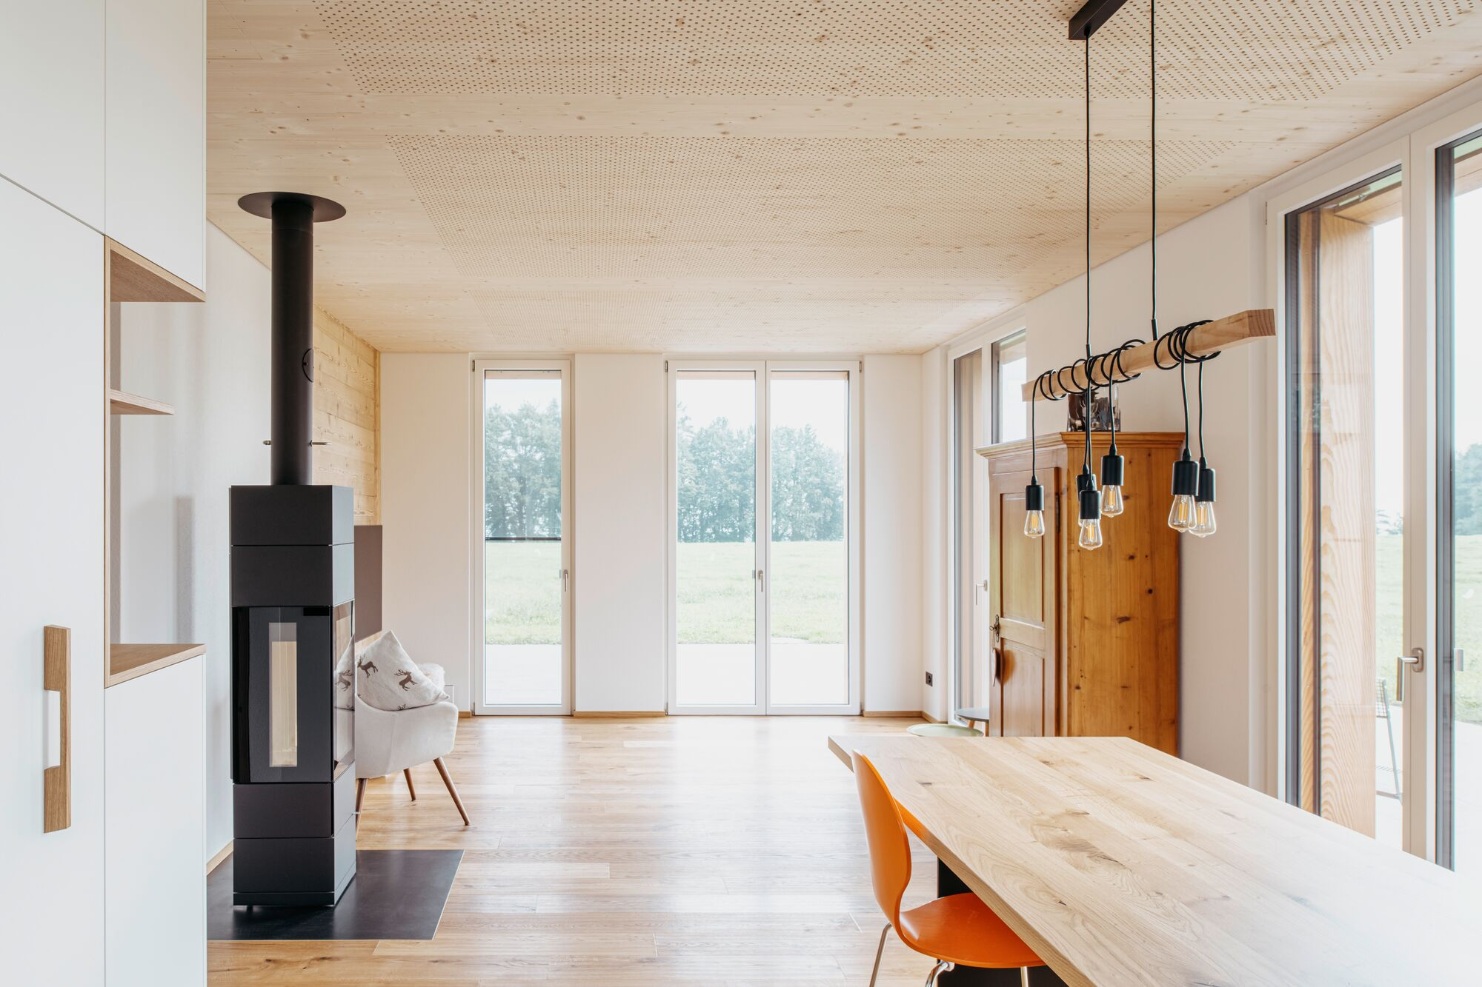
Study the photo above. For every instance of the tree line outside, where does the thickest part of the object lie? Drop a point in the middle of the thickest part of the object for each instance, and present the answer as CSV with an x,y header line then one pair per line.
x,y
716,479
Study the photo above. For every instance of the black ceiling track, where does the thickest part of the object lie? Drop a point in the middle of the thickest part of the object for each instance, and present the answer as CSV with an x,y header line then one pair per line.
x,y
1088,20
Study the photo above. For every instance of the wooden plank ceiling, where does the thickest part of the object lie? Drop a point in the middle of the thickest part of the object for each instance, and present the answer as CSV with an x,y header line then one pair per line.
x,y
775,175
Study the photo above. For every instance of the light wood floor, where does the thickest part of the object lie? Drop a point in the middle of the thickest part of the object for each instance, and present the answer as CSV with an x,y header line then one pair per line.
x,y
686,850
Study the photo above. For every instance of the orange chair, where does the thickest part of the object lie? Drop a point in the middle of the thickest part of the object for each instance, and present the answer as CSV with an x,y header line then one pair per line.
x,y
956,929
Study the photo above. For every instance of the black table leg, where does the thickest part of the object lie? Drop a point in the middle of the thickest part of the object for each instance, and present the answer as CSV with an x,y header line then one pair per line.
x,y
963,976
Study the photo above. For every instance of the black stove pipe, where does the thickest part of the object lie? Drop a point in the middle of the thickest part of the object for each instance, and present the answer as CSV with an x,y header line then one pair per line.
x,y
293,215
293,340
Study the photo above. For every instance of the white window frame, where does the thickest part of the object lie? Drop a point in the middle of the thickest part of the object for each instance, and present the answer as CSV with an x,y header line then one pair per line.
x,y
764,369
985,338
480,671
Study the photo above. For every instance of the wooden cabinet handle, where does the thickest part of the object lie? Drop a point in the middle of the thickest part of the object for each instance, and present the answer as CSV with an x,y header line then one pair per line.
x,y
57,779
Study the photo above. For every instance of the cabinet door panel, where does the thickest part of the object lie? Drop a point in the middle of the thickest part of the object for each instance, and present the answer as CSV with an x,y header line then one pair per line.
x,y
1021,586
156,132
157,830
51,115
51,551
1024,708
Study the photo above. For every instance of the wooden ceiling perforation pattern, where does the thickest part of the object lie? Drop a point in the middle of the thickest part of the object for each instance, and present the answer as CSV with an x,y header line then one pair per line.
x,y
799,175
1242,49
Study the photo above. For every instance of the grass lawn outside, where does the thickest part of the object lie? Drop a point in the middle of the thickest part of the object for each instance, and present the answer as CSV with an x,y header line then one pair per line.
x,y
808,586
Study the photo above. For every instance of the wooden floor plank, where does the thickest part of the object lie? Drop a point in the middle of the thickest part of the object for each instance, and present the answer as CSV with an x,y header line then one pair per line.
x,y
660,852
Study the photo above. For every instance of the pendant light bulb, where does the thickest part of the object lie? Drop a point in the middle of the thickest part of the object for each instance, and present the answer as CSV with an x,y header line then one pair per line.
x,y
1034,510
1090,513
1185,486
1111,484
1204,520
1090,536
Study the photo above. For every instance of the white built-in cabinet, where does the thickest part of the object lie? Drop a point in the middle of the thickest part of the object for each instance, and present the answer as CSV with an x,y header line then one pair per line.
x,y
156,132
102,866
156,840
102,114
52,407
51,102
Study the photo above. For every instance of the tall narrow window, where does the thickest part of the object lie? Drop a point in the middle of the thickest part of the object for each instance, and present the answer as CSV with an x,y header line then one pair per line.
x,y
1458,723
525,553
1010,370
969,497
718,569
808,452
1345,506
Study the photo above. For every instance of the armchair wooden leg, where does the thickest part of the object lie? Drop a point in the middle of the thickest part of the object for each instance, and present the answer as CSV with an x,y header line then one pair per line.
x,y
442,769
359,792
408,773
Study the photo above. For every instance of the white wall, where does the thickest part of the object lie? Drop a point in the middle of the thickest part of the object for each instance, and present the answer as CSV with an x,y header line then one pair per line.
x,y
427,509
891,454
620,533
211,362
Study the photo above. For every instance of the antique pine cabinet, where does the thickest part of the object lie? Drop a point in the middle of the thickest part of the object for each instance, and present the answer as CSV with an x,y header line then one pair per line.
x,y
1084,643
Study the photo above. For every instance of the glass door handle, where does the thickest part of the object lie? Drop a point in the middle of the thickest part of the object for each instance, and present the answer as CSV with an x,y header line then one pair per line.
x,y
761,580
565,576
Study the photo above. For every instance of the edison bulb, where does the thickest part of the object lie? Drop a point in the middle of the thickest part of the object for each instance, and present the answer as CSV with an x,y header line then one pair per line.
x,y
1034,524
1181,514
1090,536
1111,500
1204,522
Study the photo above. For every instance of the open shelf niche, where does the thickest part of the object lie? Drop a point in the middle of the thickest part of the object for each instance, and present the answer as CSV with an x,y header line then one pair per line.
x,y
128,277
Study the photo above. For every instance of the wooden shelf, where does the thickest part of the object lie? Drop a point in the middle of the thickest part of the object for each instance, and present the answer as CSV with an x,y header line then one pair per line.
x,y
124,403
134,278
129,661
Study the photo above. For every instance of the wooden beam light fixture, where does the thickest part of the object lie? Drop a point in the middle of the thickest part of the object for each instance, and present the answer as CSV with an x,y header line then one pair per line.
x,y
1196,343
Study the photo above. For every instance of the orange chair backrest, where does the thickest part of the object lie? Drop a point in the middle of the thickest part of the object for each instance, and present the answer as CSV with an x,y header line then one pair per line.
x,y
890,849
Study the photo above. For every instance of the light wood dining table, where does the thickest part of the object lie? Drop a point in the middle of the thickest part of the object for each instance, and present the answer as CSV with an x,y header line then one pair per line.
x,y
1122,865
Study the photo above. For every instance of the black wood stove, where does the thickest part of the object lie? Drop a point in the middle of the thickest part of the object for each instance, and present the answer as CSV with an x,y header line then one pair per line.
x,y
293,619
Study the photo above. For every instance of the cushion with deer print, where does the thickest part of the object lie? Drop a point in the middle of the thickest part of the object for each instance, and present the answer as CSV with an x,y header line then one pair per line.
x,y
388,678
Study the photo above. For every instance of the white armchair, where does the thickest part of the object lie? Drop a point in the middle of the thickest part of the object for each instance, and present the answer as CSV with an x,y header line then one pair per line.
x,y
389,741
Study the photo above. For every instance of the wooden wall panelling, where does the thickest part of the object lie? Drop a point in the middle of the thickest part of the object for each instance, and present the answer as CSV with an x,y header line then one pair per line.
x,y
347,410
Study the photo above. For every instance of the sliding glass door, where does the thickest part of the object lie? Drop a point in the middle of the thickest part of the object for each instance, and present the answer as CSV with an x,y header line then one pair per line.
x,y
1346,495
1458,671
524,556
765,550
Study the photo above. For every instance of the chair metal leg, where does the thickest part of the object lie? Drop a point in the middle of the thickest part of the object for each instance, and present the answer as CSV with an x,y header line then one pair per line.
x,y
879,951
452,789
408,773
1023,976
942,967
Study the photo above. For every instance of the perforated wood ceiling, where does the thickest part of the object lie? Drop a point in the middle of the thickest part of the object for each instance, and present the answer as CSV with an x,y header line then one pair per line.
x,y
792,175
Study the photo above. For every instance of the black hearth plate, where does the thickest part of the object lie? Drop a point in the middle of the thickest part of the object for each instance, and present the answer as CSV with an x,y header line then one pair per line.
x,y
396,894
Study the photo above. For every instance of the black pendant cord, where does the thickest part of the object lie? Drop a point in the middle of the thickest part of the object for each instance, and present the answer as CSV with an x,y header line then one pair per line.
x,y
1153,154
1201,411
1090,389
1172,350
